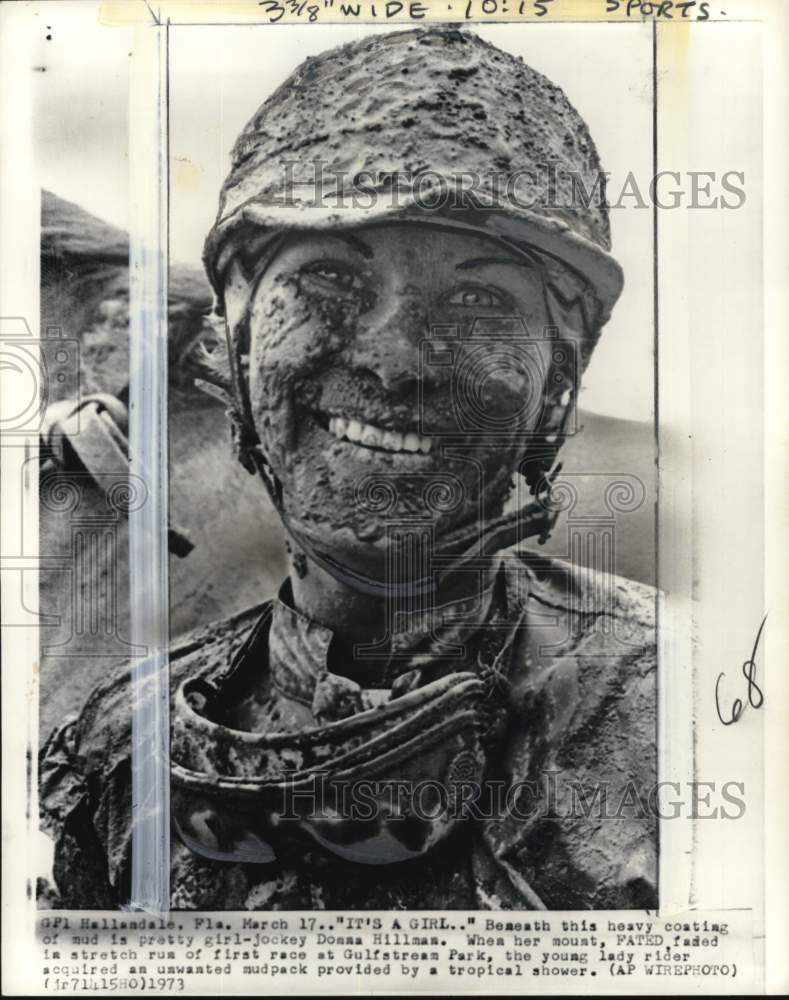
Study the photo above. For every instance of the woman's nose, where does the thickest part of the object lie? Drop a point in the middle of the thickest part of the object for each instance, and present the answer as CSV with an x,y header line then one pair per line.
x,y
389,341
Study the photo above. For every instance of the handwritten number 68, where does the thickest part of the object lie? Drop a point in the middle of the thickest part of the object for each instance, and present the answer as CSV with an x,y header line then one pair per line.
x,y
755,693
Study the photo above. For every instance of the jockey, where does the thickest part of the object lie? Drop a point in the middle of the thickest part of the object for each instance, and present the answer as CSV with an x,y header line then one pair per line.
x,y
411,267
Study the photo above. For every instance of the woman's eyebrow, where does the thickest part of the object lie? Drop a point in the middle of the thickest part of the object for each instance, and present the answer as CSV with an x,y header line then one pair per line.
x,y
357,244
482,261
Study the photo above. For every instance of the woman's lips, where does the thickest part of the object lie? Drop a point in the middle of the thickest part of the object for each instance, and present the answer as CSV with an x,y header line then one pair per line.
x,y
373,439
379,438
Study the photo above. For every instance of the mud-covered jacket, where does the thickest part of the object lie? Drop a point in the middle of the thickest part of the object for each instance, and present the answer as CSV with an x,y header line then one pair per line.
x,y
577,732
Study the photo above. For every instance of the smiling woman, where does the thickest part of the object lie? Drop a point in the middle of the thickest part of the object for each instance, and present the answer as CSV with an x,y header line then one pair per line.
x,y
393,375
340,337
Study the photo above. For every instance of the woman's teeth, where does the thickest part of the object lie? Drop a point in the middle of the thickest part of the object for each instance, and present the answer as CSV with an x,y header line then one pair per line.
x,y
375,437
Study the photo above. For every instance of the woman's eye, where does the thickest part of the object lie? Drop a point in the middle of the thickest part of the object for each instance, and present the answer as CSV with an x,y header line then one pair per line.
x,y
475,297
335,274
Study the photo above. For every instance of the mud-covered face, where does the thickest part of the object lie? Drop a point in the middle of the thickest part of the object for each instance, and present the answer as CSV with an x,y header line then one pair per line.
x,y
395,375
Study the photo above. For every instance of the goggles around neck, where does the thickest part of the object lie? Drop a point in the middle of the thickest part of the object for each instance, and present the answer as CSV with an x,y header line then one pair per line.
x,y
379,787
357,788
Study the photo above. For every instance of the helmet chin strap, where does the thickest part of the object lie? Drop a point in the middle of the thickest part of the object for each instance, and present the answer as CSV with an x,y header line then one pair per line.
x,y
451,552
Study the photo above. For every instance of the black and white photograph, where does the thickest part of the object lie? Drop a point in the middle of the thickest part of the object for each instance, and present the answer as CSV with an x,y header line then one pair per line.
x,y
400,479
408,274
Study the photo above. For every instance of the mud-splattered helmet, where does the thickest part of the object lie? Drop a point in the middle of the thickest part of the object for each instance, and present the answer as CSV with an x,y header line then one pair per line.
x,y
439,126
